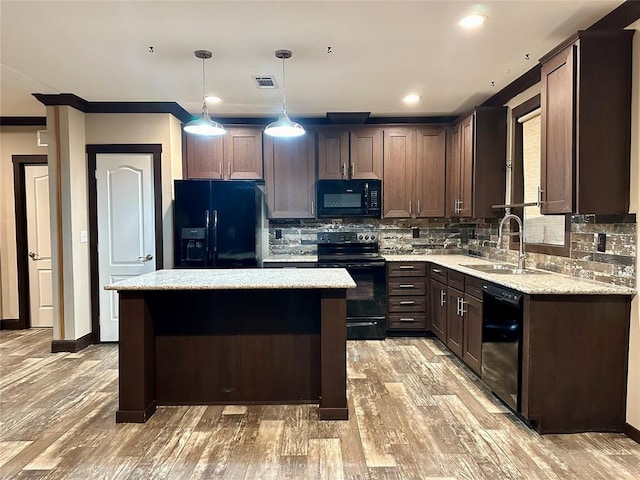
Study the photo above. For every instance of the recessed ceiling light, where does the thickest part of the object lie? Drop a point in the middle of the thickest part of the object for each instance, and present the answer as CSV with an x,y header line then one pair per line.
x,y
471,21
212,99
412,98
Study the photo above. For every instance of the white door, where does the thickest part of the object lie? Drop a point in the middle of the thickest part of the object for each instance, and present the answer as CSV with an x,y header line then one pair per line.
x,y
126,227
39,245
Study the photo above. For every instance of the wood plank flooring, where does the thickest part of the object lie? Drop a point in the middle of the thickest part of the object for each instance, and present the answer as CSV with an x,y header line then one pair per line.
x,y
416,413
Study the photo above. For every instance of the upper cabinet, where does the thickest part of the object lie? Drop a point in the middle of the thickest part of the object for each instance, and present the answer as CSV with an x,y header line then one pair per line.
x,y
350,154
414,172
290,176
476,169
234,156
586,124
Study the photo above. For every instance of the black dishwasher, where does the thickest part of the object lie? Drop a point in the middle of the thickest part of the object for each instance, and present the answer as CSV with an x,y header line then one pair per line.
x,y
502,343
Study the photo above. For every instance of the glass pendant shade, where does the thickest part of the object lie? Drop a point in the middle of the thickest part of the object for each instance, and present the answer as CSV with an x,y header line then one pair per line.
x,y
204,125
284,127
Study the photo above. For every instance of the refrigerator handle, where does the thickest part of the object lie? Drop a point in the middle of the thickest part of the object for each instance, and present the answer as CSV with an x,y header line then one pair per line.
x,y
215,231
206,219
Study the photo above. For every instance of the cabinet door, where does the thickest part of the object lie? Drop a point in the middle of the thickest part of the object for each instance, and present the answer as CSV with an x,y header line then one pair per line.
x,y
453,173
366,153
455,326
439,310
557,135
430,172
243,154
290,177
399,172
472,328
204,156
333,155
466,167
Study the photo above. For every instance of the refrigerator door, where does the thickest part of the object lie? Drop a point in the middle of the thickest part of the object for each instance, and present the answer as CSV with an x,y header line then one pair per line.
x,y
191,223
233,205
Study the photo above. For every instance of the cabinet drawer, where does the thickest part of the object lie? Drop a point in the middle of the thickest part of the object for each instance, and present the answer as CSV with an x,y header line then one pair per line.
x,y
406,287
456,280
473,286
408,321
408,304
439,273
406,269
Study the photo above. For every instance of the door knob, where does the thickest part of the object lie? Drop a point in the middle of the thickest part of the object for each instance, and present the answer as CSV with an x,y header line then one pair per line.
x,y
34,256
148,257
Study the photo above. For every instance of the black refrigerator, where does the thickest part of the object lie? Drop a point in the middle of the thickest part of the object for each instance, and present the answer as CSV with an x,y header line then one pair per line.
x,y
216,223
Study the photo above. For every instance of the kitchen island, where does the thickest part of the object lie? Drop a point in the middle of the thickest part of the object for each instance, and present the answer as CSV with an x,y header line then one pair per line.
x,y
240,336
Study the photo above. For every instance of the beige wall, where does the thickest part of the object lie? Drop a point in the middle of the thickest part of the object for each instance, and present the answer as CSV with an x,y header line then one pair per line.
x,y
13,141
633,388
110,128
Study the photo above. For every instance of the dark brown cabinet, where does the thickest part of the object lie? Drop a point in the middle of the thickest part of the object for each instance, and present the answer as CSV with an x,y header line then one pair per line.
x,y
456,314
472,313
234,156
476,167
350,154
414,172
290,177
586,124
407,296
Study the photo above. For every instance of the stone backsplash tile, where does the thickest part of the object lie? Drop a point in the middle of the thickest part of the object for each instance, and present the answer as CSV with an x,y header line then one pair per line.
x,y
479,237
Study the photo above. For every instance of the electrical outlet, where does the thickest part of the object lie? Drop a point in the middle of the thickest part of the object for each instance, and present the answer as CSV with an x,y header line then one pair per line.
x,y
602,242
415,231
278,233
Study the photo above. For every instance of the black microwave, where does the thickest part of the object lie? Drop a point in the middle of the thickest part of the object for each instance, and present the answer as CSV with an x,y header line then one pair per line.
x,y
349,198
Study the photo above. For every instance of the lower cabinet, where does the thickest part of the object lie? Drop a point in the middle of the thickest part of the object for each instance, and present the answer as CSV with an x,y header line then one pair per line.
x,y
407,296
456,314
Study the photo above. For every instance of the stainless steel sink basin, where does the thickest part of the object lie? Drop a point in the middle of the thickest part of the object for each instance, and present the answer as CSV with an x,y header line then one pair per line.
x,y
501,268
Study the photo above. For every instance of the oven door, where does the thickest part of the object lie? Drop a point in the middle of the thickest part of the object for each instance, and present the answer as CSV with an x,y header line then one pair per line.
x,y
367,303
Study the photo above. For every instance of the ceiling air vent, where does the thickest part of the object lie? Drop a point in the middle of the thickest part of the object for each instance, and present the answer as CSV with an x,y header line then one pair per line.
x,y
265,81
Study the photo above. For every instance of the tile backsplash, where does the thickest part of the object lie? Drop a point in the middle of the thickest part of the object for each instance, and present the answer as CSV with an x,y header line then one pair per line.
x,y
479,237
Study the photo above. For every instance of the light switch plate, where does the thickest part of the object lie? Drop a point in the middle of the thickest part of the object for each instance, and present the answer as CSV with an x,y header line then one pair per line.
x,y
83,236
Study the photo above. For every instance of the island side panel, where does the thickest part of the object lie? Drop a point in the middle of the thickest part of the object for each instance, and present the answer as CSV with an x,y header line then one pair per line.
x,y
333,403
575,360
136,359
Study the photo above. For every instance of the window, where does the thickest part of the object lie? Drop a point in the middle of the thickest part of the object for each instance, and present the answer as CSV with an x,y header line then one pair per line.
x,y
543,233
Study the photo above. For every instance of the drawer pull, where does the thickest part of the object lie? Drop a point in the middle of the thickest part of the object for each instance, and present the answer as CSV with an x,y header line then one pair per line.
x,y
407,320
407,285
436,270
406,267
407,302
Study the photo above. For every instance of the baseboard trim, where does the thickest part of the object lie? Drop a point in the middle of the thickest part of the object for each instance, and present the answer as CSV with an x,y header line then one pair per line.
x,y
71,346
11,324
632,432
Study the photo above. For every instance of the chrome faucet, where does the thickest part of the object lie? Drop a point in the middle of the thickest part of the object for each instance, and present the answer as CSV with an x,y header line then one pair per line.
x,y
520,233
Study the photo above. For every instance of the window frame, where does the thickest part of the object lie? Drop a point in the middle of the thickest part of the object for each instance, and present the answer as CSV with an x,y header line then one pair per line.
x,y
517,184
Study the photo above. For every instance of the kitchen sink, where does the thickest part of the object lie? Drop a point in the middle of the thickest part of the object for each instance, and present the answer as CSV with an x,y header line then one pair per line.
x,y
501,268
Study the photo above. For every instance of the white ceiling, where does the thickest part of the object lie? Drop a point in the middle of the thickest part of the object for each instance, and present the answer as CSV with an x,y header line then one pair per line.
x,y
381,51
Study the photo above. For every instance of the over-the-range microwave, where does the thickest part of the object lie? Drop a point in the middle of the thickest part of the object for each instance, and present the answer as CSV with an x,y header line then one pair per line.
x,y
349,198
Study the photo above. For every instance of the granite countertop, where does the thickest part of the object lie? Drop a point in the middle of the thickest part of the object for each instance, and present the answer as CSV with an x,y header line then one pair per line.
x,y
291,258
546,283
239,278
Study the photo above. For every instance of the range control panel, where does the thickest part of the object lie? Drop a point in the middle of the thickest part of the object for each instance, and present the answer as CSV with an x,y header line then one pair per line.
x,y
347,237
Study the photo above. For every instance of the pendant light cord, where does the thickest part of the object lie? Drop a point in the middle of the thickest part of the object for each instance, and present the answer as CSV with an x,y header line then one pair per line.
x,y
284,90
205,110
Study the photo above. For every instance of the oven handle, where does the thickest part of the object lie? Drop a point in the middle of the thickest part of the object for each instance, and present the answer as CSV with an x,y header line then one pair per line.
x,y
351,265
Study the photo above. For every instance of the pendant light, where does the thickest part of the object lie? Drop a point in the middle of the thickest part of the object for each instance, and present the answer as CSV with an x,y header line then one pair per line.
x,y
204,125
284,127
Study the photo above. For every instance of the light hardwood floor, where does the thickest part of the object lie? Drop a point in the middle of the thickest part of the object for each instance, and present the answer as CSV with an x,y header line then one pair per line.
x,y
416,413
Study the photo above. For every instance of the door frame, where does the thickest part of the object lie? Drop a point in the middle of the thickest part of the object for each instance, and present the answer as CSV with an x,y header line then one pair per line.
x,y
22,248
155,149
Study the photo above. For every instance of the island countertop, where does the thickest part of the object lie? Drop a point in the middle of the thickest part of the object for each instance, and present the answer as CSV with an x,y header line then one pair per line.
x,y
237,279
